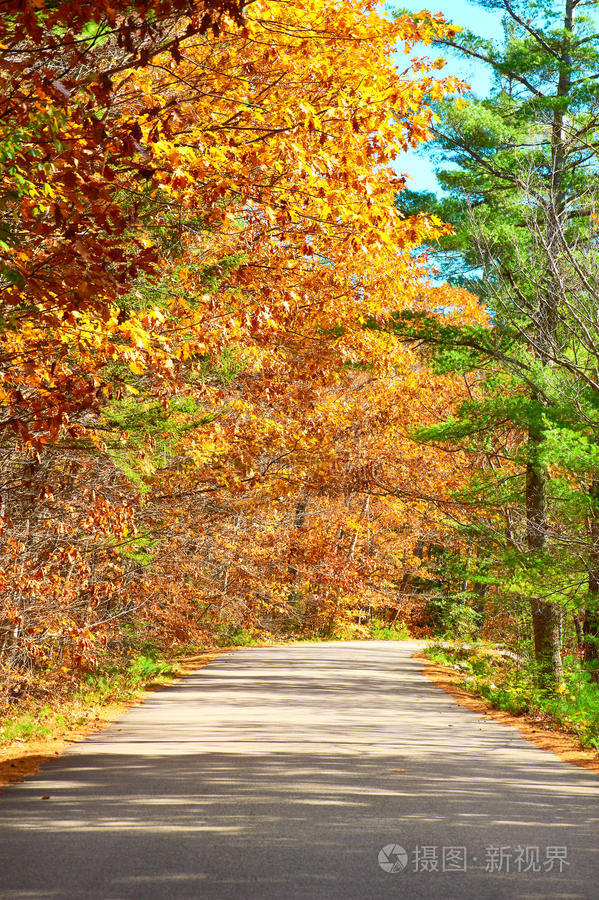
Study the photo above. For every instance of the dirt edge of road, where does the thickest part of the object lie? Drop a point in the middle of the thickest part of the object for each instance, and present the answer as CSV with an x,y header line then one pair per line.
x,y
566,746
21,759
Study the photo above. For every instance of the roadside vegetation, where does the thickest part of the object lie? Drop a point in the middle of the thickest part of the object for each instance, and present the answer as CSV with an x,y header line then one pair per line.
x,y
51,706
512,685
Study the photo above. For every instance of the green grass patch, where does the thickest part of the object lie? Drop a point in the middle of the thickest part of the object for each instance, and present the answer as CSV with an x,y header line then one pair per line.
x,y
22,728
228,636
381,631
114,683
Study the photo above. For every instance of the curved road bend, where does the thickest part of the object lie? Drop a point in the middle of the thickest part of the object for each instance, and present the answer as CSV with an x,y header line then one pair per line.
x,y
283,773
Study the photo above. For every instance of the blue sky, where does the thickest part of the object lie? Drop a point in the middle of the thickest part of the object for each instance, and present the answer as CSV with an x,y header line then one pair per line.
x,y
469,15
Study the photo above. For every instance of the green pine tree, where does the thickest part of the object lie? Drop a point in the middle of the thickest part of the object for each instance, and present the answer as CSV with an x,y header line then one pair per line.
x,y
522,192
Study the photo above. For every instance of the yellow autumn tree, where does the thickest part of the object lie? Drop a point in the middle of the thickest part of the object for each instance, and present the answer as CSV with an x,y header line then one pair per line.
x,y
254,247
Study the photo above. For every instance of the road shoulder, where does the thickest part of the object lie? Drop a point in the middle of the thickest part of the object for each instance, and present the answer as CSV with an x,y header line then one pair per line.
x,y
566,746
21,758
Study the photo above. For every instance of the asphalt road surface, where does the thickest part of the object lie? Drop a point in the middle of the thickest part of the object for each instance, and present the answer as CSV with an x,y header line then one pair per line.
x,y
305,771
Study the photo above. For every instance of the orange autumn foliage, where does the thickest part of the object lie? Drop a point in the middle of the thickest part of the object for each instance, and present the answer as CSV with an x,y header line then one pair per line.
x,y
207,355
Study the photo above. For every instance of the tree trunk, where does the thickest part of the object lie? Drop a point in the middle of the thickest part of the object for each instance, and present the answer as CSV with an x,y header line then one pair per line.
x,y
590,625
545,615
299,519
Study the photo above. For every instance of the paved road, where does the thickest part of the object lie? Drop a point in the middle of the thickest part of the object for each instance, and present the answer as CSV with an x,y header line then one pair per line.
x,y
282,772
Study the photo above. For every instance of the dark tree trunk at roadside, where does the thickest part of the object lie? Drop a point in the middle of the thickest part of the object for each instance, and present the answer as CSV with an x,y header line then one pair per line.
x,y
590,625
545,615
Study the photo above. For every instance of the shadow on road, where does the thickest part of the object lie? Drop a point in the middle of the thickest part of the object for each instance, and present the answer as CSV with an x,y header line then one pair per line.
x,y
273,773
